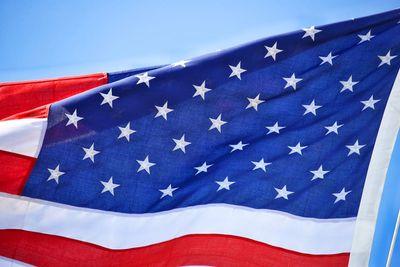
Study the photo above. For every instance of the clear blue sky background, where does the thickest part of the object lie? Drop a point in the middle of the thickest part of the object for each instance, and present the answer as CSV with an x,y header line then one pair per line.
x,y
44,39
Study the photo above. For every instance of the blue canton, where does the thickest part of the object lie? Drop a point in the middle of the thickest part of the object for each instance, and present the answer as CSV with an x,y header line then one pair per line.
x,y
285,123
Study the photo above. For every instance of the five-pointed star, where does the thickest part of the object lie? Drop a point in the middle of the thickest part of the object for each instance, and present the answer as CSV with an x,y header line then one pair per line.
x,y
217,123
365,37
311,108
181,144
327,59
55,173
334,128
238,146
292,81
163,111
145,165
348,85
109,186
354,148
260,164
168,191
236,70
108,98
144,78
341,195
201,90
370,103
275,128
283,193
202,168
272,51
254,102
126,131
90,152
311,32
386,59
319,174
73,119
181,63
225,184
296,149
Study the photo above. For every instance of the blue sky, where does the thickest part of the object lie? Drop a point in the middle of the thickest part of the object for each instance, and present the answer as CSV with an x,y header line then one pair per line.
x,y
44,39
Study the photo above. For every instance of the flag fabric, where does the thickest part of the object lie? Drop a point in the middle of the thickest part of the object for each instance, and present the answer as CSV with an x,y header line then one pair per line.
x,y
272,153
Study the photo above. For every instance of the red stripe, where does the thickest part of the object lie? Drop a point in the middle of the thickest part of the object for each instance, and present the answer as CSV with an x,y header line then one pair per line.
x,y
215,250
39,112
17,97
15,170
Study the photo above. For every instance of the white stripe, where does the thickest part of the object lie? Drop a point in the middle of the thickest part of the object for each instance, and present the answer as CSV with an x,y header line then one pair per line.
x,y
122,231
7,262
24,136
376,175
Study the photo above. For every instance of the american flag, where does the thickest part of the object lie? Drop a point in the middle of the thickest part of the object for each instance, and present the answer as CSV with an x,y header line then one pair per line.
x,y
265,154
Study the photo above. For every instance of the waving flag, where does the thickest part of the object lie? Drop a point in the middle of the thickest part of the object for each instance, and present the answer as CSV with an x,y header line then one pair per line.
x,y
272,153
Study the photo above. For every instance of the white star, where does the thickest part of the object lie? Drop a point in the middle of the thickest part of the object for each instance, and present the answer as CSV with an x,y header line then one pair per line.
x,y
260,164
181,63
348,85
292,81
354,148
126,131
275,128
201,90
225,184
282,193
238,146
334,128
217,123
180,144
90,152
272,51
236,71
365,37
202,168
319,174
327,59
108,98
55,173
144,78
311,108
296,149
163,111
386,59
254,102
145,165
370,103
168,191
341,195
109,186
311,32
73,119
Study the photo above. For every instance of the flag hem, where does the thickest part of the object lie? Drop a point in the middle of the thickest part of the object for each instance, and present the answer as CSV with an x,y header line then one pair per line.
x,y
374,182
